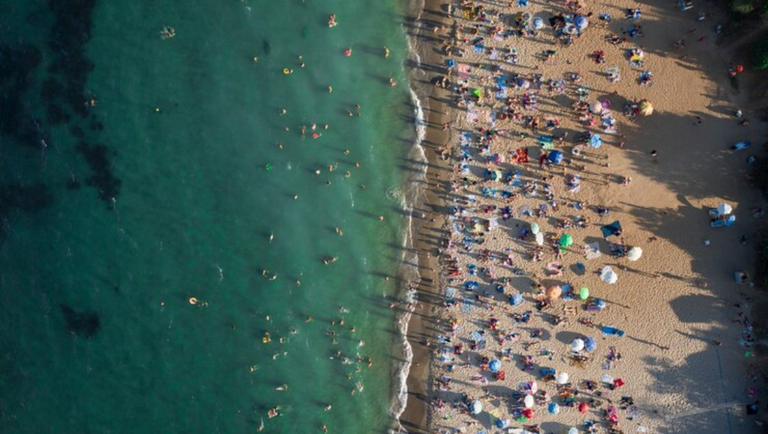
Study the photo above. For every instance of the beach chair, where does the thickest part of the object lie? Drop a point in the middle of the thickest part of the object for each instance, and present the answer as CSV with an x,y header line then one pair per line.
x,y
685,5
719,223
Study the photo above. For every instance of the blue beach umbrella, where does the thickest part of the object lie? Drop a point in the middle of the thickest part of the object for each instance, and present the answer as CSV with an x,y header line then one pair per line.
x,y
553,408
516,299
556,157
581,22
595,141
494,366
590,345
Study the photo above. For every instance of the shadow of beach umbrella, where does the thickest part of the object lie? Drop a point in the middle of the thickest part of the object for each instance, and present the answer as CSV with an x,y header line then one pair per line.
x,y
577,345
634,253
494,366
608,276
645,108
566,240
476,407
590,345
528,401
562,378
554,292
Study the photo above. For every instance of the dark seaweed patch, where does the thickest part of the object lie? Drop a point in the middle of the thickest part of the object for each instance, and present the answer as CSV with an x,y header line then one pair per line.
x,y
16,66
77,132
31,198
85,323
101,177
266,46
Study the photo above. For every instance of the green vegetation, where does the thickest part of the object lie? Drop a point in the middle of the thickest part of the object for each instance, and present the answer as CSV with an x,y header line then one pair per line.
x,y
760,53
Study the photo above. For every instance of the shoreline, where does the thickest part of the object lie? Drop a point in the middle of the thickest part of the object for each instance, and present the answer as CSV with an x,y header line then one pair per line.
x,y
414,418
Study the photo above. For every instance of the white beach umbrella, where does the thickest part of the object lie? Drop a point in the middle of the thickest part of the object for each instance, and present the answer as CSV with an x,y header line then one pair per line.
x,y
608,276
528,401
634,253
562,378
476,407
540,239
724,209
577,345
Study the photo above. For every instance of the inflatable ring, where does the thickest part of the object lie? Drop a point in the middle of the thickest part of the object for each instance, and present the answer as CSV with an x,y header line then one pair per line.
x,y
502,116
286,71
192,300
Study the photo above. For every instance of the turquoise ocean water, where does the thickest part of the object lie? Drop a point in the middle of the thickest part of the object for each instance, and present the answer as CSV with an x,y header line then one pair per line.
x,y
137,172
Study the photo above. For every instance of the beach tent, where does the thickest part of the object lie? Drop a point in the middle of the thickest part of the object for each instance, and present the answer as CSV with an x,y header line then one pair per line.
x,y
476,407
562,378
611,229
581,22
595,141
494,366
634,253
577,345
590,345
566,240
535,228
554,292
546,142
645,108
608,276
528,401
556,157
540,239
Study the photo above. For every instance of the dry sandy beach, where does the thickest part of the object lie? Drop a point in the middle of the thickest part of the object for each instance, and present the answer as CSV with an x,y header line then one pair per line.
x,y
684,361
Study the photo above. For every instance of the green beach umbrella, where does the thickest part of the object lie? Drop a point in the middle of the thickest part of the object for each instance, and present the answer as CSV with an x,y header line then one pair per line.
x,y
584,293
535,228
566,240
477,92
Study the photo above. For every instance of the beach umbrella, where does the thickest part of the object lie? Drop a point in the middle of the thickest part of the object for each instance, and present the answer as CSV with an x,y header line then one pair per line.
x,y
581,22
566,240
724,209
573,430
535,228
645,107
562,378
595,141
494,366
554,292
634,253
498,158
516,299
577,345
556,157
553,408
583,408
596,106
608,276
600,303
477,92
522,83
528,413
528,401
590,345
476,407
531,387
540,239
494,175
502,423
538,23
584,293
